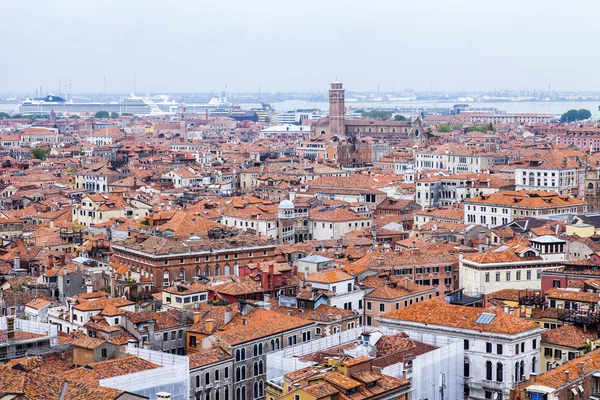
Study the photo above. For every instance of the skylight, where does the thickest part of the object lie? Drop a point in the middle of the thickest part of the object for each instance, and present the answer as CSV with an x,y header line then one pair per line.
x,y
485,318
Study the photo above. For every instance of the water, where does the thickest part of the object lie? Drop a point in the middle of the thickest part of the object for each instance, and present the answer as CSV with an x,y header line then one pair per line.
x,y
542,107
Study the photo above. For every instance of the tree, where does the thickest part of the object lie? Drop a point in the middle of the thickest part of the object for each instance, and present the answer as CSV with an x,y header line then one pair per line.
x,y
480,128
444,128
74,116
70,170
399,117
575,115
584,114
39,152
101,114
114,114
127,115
4,115
17,116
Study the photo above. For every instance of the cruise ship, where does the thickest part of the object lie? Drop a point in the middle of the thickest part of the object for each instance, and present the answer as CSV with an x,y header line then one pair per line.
x,y
134,105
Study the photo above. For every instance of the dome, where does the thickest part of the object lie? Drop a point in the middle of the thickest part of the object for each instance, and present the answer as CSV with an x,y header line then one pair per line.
x,y
286,204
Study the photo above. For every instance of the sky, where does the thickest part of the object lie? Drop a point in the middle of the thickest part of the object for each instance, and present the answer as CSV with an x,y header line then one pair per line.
x,y
298,45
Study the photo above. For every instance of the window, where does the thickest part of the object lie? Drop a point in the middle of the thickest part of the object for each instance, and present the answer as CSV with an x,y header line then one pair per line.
x,y
488,370
487,276
381,307
350,287
497,276
488,347
534,344
499,372
467,370
226,372
499,349
206,378
528,274
466,345
104,353
508,276
368,305
166,337
523,347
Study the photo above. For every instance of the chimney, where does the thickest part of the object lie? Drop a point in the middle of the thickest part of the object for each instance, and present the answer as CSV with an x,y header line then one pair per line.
x,y
131,344
271,275
244,321
267,297
567,376
50,261
227,316
17,262
582,368
210,326
196,317
330,317
264,280
89,288
533,377
63,356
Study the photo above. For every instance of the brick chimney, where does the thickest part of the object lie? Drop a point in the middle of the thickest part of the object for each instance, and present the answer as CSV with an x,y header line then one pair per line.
x,y
567,376
197,316
210,326
50,261
271,275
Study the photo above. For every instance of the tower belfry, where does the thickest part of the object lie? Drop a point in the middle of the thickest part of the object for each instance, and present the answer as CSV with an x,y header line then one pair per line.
x,y
337,109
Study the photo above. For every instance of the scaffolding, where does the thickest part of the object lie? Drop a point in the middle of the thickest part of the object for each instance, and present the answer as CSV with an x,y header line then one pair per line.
x,y
172,377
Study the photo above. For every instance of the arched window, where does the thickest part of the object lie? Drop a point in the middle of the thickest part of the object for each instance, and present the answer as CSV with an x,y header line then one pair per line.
x,y
277,343
207,271
182,275
256,395
238,374
216,374
499,372
243,372
260,348
217,395
237,355
261,389
217,270
260,367
533,365
197,273
226,372
238,394
166,277
488,371
226,393
255,349
548,366
590,185
227,270
272,345
531,179
522,376
243,353
255,368
207,378
243,392
517,371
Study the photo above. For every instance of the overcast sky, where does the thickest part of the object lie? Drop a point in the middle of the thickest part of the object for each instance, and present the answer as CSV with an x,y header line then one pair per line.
x,y
299,45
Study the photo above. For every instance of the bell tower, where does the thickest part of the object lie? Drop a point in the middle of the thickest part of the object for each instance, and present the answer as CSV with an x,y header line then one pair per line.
x,y
337,109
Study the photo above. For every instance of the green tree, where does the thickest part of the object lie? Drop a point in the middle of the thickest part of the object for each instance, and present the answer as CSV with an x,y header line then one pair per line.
x,y
480,128
101,114
399,117
74,116
444,128
584,114
40,153
4,115
17,116
127,115
70,170
114,114
575,115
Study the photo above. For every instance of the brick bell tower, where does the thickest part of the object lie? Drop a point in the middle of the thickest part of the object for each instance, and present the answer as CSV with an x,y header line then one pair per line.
x,y
337,109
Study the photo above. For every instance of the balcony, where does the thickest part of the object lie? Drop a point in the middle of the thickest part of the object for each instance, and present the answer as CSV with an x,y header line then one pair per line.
x,y
531,298
493,385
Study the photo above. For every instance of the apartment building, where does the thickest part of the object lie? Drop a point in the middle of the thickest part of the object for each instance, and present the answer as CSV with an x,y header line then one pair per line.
x,y
500,349
501,208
